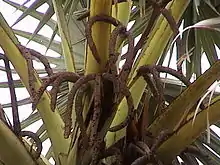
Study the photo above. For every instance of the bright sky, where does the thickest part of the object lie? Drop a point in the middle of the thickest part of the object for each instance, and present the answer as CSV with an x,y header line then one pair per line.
x,y
29,24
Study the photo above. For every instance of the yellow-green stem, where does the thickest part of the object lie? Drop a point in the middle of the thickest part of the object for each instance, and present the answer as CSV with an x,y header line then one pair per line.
x,y
12,151
52,120
100,34
154,47
123,14
188,133
178,110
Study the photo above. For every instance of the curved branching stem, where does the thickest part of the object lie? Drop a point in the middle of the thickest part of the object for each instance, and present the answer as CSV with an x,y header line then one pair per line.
x,y
36,139
151,84
155,14
82,80
97,109
146,32
79,117
95,152
157,10
31,79
28,55
88,31
16,121
113,54
97,149
175,29
168,70
56,79
125,91
116,88
155,86
42,59
160,95
162,69
45,84
67,76
129,60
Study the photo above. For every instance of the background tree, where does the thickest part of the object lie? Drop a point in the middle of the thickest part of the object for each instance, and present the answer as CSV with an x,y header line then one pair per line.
x,y
100,112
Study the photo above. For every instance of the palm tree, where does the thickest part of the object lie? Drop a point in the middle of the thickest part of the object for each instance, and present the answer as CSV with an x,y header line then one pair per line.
x,y
100,112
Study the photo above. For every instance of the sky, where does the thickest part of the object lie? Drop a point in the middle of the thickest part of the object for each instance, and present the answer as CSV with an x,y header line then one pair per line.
x,y
29,24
